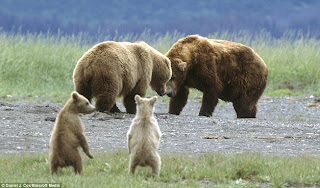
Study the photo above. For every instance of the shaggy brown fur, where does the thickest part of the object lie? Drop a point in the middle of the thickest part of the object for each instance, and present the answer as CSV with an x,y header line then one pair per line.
x,y
68,135
144,137
220,69
112,69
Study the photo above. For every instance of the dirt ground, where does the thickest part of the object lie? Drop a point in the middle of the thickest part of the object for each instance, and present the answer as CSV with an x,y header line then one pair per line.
x,y
284,126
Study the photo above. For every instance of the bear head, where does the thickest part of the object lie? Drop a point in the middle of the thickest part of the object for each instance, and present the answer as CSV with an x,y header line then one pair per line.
x,y
161,74
80,104
181,54
179,75
145,105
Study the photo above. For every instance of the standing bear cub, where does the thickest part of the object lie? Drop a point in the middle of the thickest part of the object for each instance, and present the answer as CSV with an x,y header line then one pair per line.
x,y
112,69
144,137
68,135
221,70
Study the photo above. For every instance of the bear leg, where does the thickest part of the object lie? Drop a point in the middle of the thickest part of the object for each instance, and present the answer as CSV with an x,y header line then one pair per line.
x,y
115,109
84,144
245,108
133,164
209,102
104,102
77,163
129,104
155,164
54,167
128,100
178,101
84,90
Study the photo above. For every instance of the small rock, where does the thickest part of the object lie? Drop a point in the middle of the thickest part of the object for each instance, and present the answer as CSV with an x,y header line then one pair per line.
x,y
53,119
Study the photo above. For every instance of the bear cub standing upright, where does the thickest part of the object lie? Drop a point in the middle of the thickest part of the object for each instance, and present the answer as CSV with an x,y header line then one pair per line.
x,y
68,135
144,136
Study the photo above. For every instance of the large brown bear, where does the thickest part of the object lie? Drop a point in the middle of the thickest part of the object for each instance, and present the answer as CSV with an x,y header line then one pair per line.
x,y
220,69
111,69
68,135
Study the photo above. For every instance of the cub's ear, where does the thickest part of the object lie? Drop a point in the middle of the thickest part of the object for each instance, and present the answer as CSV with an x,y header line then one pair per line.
x,y
153,100
137,98
182,66
75,95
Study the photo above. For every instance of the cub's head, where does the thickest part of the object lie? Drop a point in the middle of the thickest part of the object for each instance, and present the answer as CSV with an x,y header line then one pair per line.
x,y
81,104
179,75
161,74
145,105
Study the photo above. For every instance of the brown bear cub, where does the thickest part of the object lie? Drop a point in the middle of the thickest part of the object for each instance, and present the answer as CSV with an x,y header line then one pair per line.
x,y
221,70
144,137
113,69
68,135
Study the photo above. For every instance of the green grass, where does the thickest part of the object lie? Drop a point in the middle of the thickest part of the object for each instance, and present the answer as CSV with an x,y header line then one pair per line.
x,y
37,65
41,66
177,170
281,93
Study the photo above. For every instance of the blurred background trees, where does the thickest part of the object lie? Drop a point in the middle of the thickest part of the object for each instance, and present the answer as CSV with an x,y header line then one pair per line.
x,y
119,17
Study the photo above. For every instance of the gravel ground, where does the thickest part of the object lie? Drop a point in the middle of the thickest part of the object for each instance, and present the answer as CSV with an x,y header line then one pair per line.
x,y
284,126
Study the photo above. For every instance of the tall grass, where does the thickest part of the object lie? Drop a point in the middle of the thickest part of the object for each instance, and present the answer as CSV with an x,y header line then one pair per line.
x,y
177,170
37,65
42,65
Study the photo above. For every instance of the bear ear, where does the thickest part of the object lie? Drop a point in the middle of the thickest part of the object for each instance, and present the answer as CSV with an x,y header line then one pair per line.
x,y
168,62
137,98
74,95
153,100
182,66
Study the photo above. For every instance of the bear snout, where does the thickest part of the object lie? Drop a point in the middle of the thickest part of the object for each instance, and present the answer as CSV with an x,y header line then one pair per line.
x,y
170,89
169,94
161,93
90,110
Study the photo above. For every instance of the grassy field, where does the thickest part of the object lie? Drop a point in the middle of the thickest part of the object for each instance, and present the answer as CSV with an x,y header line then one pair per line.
x,y
207,170
41,66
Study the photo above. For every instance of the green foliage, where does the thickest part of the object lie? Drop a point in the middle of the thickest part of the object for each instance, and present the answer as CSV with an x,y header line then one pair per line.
x,y
281,93
177,170
37,65
40,66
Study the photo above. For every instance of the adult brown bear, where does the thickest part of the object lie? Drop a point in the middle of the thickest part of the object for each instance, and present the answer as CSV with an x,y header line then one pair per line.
x,y
220,69
113,69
